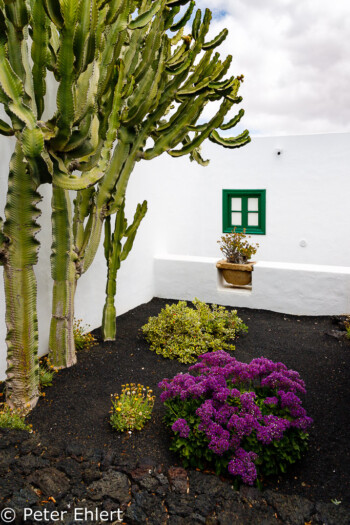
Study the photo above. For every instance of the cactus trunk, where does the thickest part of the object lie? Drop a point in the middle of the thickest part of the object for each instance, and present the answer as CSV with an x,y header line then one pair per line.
x,y
109,327
61,343
113,264
22,387
115,253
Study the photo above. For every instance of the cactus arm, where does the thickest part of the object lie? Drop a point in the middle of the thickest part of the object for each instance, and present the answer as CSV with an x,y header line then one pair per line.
x,y
169,21
152,43
63,257
235,142
65,70
13,87
171,88
82,205
131,231
86,91
53,11
98,213
144,96
178,128
196,24
183,21
115,253
196,156
108,327
197,141
71,182
217,40
234,121
84,37
39,52
81,135
20,229
5,129
142,20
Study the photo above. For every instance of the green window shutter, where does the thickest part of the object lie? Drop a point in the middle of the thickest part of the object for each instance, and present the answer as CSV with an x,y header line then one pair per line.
x,y
244,210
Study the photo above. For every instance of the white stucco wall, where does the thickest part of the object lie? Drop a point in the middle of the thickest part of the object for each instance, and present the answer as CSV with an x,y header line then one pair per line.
x,y
307,198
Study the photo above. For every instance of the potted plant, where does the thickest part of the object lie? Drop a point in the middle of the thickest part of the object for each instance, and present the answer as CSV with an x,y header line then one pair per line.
x,y
236,268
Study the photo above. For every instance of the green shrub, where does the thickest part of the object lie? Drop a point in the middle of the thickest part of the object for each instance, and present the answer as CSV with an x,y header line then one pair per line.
x,y
183,333
82,337
12,418
132,408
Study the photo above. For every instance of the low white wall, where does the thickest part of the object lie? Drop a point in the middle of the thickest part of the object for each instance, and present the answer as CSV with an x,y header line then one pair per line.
x,y
300,289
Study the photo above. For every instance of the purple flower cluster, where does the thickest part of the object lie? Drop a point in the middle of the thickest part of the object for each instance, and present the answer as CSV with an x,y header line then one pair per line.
x,y
235,405
242,464
182,427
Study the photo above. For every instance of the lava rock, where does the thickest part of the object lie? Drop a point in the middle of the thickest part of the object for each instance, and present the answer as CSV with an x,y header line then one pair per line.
x,y
51,482
114,485
291,509
178,480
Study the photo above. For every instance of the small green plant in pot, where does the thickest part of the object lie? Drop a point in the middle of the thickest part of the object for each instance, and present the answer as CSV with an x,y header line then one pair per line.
x,y
183,333
132,408
237,250
236,247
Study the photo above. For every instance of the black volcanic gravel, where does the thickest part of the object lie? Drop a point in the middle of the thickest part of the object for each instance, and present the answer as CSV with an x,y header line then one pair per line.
x,y
76,408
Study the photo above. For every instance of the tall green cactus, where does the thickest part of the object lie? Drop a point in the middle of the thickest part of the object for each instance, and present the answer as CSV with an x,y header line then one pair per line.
x,y
122,79
124,95
20,255
115,253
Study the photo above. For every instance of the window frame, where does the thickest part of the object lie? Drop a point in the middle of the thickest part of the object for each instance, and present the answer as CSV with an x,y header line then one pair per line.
x,y
227,225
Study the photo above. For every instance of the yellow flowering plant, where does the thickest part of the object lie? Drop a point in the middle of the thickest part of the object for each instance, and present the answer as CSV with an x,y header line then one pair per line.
x,y
13,418
131,409
82,337
46,372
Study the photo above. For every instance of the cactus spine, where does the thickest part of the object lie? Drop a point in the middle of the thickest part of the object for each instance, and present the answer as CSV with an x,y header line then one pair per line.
x,y
122,79
115,253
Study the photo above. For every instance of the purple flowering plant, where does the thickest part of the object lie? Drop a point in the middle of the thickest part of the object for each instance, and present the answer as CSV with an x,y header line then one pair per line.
x,y
244,418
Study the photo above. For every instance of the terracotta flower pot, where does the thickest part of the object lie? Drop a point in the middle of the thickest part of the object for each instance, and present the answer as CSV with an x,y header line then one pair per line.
x,y
236,274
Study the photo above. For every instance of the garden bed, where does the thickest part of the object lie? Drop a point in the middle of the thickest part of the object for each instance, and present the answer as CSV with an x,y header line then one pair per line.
x,y
75,411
